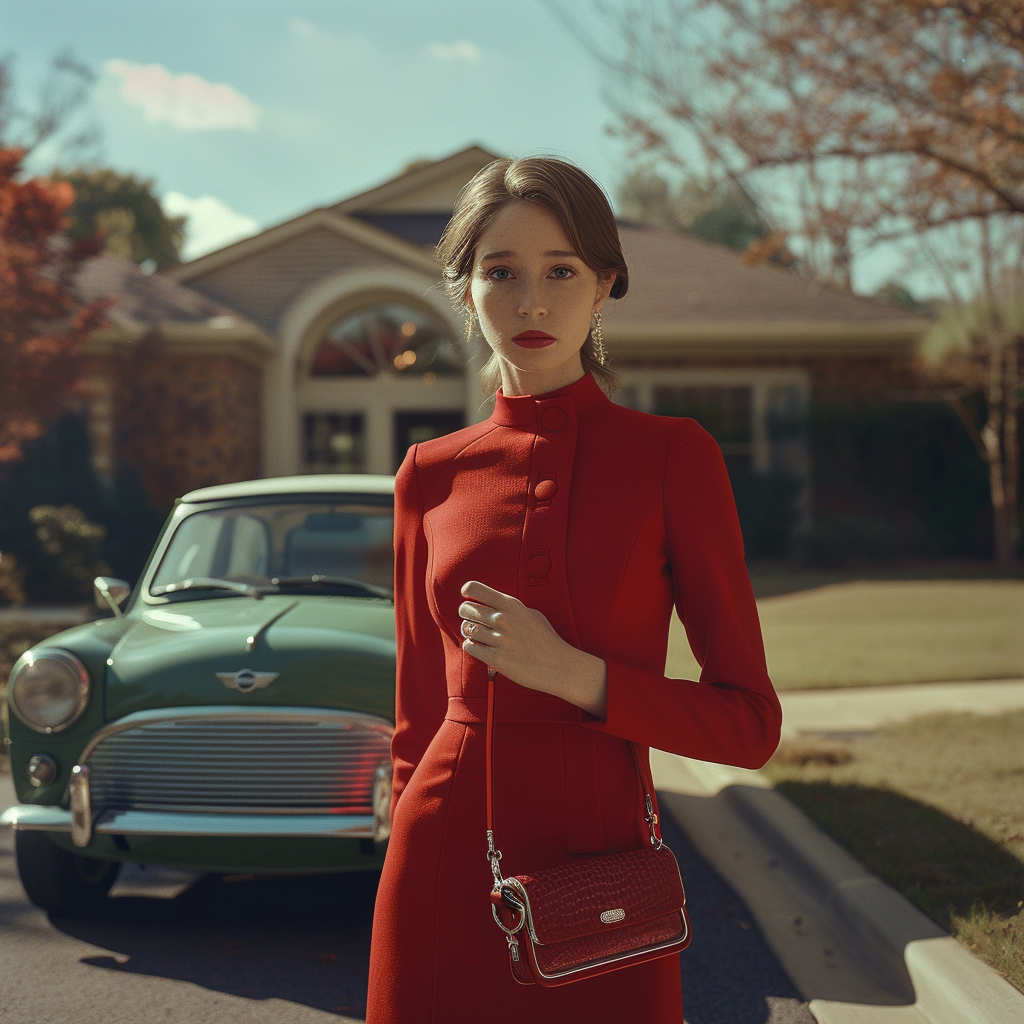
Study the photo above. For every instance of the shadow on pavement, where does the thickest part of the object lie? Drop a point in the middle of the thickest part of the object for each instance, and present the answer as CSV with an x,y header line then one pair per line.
x,y
944,866
305,940
730,976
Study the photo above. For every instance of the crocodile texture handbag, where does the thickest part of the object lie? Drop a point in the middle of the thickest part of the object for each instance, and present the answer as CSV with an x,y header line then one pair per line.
x,y
587,917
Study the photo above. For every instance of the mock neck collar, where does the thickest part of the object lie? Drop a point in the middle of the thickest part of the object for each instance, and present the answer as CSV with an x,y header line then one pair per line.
x,y
524,410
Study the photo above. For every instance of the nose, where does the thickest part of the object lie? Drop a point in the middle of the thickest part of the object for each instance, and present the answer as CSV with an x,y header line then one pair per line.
x,y
530,305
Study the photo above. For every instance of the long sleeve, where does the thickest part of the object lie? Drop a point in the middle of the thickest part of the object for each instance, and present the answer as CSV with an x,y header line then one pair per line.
x,y
732,715
420,692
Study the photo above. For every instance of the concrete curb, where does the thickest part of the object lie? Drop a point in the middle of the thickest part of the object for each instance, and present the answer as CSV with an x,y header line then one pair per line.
x,y
928,975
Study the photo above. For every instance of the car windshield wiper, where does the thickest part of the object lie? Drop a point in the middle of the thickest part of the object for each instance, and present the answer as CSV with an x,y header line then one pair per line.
x,y
210,583
318,580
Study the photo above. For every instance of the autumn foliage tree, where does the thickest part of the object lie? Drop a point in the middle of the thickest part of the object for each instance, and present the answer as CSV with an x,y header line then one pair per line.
x,y
42,327
858,122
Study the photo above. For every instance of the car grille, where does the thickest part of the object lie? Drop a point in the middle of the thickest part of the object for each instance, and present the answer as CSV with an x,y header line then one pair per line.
x,y
276,763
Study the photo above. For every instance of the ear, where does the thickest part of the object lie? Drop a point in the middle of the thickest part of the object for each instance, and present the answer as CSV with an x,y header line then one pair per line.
x,y
604,287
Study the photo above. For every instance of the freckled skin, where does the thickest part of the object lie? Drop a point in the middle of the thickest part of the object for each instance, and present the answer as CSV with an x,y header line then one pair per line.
x,y
531,290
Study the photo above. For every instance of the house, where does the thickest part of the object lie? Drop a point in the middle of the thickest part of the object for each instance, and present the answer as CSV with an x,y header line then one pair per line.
x,y
326,343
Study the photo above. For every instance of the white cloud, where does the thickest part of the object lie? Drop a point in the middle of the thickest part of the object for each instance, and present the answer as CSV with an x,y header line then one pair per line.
x,y
186,101
211,223
461,49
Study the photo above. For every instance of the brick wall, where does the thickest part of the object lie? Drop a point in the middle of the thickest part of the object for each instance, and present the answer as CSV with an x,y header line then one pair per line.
x,y
182,421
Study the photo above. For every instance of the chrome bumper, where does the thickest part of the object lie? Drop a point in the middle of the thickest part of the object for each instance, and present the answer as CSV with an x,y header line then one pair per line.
x,y
29,817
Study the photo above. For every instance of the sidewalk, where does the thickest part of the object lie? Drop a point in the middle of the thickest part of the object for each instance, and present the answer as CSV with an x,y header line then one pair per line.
x,y
866,708
856,949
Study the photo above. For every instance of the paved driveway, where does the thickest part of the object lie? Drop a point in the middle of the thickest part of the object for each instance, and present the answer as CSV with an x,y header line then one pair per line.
x,y
174,946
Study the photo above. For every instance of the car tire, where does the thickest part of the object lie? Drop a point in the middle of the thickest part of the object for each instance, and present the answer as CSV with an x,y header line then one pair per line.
x,y
59,882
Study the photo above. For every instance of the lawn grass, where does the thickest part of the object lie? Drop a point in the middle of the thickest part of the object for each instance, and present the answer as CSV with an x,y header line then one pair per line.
x,y
935,806
870,632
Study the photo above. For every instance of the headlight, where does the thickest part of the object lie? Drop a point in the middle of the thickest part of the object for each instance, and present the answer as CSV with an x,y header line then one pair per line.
x,y
49,690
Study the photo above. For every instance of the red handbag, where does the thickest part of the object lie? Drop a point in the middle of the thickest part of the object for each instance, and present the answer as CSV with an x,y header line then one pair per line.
x,y
588,917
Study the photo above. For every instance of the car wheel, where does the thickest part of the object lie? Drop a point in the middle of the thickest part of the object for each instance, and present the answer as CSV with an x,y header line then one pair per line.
x,y
59,882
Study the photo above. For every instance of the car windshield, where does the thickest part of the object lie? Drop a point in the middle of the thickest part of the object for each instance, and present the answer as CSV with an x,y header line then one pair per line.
x,y
290,544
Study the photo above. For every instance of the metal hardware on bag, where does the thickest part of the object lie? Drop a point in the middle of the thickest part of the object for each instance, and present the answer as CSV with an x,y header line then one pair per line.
x,y
493,858
652,820
510,899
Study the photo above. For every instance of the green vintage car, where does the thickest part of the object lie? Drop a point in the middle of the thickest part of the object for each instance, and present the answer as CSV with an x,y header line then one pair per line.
x,y
235,717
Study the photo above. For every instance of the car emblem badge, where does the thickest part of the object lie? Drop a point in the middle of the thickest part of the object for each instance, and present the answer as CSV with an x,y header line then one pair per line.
x,y
245,680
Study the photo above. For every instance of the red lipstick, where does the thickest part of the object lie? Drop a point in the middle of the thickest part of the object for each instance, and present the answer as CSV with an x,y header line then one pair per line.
x,y
533,339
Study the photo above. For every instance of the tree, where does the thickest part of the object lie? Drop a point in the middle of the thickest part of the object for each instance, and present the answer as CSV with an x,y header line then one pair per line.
x,y
856,122
982,342
717,210
54,118
41,325
861,121
123,209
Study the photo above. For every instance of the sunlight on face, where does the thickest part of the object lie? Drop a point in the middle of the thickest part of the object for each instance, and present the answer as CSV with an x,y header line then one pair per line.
x,y
526,278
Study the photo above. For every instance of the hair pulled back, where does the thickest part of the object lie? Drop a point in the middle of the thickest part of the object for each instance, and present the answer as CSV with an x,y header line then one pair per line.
x,y
579,205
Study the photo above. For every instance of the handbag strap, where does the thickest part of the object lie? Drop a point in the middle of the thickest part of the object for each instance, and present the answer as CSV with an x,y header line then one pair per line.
x,y
493,854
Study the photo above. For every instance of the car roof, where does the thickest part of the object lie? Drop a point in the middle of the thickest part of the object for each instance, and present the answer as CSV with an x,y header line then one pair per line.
x,y
323,483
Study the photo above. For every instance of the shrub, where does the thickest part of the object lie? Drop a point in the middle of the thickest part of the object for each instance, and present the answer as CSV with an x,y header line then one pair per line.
x,y
837,540
766,503
12,580
910,467
56,470
72,544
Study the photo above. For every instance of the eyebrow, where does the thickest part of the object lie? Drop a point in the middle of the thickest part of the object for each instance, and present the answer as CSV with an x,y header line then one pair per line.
x,y
505,253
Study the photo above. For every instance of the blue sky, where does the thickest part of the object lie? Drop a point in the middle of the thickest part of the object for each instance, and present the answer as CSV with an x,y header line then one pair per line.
x,y
249,112
316,99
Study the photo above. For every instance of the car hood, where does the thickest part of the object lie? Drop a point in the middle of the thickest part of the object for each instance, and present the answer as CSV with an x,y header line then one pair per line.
x,y
333,652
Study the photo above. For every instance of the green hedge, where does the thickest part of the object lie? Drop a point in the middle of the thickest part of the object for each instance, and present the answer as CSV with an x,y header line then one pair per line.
x,y
899,478
56,471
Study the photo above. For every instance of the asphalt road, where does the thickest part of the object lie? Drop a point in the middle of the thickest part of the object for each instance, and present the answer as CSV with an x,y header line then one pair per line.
x,y
174,947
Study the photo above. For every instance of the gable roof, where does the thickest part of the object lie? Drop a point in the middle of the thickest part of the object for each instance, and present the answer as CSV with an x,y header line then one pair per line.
x,y
148,306
681,284
685,293
428,188
379,241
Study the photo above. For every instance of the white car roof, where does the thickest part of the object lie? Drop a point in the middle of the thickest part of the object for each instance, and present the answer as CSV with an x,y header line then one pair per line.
x,y
324,483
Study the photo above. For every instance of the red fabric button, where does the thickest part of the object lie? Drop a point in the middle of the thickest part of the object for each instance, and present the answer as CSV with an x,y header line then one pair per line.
x,y
538,567
553,419
545,490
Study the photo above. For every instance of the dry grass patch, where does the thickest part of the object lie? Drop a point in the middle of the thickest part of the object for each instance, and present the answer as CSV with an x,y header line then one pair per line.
x,y
871,632
934,806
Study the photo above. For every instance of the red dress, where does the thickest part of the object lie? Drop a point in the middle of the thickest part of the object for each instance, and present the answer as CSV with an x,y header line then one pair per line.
x,y
638,515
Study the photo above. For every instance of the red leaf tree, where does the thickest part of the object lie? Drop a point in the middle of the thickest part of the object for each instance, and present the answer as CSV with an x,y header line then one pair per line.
x,y
42,326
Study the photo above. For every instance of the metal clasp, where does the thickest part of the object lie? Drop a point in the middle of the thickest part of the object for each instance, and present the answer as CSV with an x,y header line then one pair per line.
x,y
652,821
494,859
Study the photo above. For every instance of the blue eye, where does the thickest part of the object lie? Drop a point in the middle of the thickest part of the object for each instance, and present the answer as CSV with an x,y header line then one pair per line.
x,y
569,272
499,270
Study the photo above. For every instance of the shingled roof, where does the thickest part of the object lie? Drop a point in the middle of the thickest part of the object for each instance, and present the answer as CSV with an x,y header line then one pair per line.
x,y
677,278
143,299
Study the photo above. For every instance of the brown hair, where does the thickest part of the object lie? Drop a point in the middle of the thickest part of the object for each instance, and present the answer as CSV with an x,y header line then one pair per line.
x,y
582,210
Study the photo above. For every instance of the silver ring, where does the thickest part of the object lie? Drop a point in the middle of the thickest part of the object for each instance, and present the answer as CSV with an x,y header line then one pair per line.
x,y
472,626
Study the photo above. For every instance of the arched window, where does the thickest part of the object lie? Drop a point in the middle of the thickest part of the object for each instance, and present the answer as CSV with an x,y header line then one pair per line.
x,y
387,337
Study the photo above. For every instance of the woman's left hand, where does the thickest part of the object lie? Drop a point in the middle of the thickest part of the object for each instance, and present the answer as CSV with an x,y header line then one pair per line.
x,y
521,644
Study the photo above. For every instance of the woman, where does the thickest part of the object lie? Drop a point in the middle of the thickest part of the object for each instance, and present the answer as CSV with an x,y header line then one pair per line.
x,y
548,543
